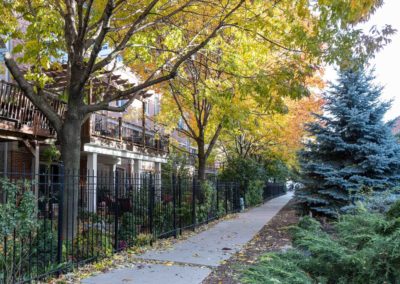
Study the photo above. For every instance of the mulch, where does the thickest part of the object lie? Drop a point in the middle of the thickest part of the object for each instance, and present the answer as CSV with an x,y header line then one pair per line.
x,y
274,236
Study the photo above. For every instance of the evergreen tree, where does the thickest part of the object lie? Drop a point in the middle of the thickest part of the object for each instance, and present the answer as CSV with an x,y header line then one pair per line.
x,y
352,151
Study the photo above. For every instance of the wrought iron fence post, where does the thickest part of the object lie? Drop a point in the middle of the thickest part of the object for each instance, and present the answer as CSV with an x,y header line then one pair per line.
x,y
151,202
116,211
232,197
217,197
226,200
179,203
60,218
194,203
173,203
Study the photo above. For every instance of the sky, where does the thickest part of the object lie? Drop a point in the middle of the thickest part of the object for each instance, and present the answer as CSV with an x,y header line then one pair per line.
x,y
387,61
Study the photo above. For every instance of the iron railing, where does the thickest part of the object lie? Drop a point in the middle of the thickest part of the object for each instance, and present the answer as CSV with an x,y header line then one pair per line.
x,y
118,129
16,108
84,217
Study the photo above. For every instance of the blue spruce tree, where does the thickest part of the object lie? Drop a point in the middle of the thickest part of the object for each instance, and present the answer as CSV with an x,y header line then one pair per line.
x,y
352,151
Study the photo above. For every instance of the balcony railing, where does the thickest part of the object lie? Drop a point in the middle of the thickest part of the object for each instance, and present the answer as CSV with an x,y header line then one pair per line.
x,y
21,116
117,129
19,111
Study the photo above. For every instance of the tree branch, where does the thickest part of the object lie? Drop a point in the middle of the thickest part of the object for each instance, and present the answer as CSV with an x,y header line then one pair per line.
x,y
98,42
39,101
213,140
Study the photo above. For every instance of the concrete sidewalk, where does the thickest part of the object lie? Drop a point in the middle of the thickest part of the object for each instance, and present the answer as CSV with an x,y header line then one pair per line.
x,y
191,260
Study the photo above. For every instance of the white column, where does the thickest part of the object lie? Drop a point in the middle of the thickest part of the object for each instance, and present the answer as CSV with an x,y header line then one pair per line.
x,y
157,177
137,166
131,173
92,182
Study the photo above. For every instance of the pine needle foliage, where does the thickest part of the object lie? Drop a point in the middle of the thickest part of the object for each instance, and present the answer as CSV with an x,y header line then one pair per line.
x,y
351,151
360,248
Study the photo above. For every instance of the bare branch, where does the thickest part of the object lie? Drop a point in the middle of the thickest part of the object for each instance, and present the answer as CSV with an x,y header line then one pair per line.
x,y
107,14
70,30
84,27
175,94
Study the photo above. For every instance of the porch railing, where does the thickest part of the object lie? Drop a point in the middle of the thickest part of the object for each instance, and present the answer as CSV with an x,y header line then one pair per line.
x,y
16,108
118,129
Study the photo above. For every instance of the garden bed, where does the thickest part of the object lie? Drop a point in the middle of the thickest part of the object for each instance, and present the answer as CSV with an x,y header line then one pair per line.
x,y
272,237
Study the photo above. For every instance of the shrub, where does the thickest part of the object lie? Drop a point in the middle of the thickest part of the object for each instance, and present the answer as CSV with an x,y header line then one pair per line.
x,y
243,171
277,269
163,218
144,240
362,248
18,224
91,243
394,210
127,230
374,201
204,209
254,192
44,245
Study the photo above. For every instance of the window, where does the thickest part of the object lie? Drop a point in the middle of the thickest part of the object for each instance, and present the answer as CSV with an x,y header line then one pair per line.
x,y
146,108
156,104
181,123
121,102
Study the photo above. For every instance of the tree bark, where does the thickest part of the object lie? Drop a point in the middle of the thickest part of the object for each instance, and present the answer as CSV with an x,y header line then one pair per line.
x,y
202,159
70,140
201,171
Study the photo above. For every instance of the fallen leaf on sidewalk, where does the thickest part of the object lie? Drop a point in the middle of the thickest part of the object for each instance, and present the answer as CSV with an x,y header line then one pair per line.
x,y
226,249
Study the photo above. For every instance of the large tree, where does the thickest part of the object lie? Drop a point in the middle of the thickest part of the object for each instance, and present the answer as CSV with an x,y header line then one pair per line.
x,y
155,37
351,151
274,136
270,56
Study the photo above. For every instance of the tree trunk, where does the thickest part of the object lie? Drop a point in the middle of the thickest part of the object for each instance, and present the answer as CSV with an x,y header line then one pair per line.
x,y
70,140
202,159
201,171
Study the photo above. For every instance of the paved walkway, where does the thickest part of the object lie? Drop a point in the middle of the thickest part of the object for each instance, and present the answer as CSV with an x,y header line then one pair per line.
x,y
190,261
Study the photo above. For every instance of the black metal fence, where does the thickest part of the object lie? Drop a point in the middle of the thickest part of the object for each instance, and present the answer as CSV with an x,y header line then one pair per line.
x,y
52,222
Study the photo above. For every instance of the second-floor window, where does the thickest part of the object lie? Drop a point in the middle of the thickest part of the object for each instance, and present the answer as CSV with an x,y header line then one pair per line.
x,y
146,108
156,105
121,102
181,124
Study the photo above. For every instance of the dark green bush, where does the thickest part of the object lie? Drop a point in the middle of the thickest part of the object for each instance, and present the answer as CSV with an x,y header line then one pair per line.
x,y
243,171
204,209
360,248
127,230
277,268
394,210
18,226
91,243
254,192
163,218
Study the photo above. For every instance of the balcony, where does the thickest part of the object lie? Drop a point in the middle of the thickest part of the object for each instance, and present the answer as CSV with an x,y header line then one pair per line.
x,y
19,117
112,131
